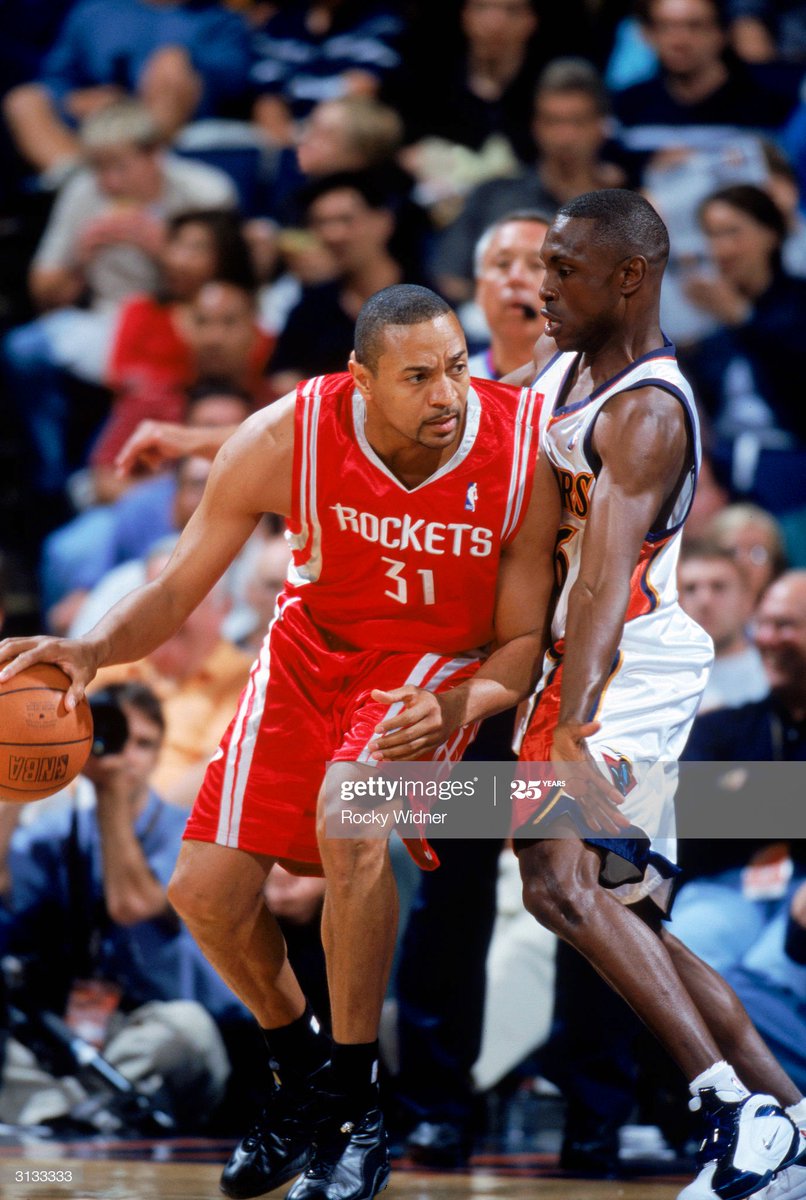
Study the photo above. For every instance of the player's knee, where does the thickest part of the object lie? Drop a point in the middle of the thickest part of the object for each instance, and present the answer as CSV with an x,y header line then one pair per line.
x,y
200,906
352,862
555,895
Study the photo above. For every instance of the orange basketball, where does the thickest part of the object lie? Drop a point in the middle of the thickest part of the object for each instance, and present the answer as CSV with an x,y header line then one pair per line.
x,y
43,745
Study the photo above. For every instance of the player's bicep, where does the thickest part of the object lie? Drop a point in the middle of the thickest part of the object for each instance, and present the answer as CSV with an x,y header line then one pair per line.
x,y
641,441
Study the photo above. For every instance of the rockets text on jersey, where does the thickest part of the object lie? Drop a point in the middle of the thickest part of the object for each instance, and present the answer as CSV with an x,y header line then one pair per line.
x,y
379,564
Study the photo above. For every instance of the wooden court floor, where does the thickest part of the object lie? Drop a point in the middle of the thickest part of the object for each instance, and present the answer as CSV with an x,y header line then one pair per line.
x,y
60,1173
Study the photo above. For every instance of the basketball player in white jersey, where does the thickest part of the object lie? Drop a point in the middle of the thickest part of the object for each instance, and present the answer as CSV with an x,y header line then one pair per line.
x,y
623,678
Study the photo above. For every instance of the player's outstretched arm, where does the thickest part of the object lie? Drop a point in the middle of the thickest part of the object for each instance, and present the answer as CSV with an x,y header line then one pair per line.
x,y
250,476
522,618
642,441
154,443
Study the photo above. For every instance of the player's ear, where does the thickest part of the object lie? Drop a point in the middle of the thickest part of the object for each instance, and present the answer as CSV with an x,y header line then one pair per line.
x,y
633,272
359,373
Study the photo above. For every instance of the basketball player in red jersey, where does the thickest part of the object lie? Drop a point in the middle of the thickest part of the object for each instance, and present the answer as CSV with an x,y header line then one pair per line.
x,y
418,540
619,435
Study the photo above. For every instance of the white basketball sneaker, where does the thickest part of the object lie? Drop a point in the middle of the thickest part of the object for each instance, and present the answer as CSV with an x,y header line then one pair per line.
x,y
790,1182
746,1142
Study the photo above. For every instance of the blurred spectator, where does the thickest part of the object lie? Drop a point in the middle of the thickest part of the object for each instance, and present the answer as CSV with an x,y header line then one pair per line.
x,y
772,729
153,355
783,186
715,592
88,915
736,914
107,229
509,275
310,51
520,983
296,902
79,554
485,86
709,500
699,93
181,59
220,339
351,134
262,586
570,134
743,373
198,676
105,239
355,133
753,537
764,31
352,217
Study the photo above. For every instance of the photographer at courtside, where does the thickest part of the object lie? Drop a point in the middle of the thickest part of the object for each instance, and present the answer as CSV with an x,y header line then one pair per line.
x,y
92,938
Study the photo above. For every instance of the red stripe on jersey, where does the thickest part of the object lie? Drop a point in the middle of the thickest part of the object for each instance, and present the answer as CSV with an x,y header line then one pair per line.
x,y
643,597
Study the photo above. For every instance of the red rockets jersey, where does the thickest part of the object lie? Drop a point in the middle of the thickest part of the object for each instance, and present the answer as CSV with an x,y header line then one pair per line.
x,y
379,565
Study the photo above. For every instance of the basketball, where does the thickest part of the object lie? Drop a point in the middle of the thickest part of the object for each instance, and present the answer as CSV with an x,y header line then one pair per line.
x,y
43,745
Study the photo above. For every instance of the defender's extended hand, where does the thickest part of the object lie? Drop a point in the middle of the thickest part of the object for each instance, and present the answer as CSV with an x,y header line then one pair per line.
x,y
424,722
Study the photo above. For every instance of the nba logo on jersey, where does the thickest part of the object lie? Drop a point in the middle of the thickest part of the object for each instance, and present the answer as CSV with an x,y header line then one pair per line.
x,y
471,497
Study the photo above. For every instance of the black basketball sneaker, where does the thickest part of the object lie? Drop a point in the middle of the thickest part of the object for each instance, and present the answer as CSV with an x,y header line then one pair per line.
x,y
351,1161
281,1142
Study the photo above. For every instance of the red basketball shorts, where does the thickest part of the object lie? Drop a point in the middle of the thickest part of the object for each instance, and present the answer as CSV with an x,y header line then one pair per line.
x,y
306,704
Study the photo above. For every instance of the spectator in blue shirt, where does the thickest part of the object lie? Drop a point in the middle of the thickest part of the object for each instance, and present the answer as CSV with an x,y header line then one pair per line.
x,y
183,59
309,52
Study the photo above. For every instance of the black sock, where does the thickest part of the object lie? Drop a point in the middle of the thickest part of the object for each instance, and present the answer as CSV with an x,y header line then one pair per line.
x,y
298,1049
355,1073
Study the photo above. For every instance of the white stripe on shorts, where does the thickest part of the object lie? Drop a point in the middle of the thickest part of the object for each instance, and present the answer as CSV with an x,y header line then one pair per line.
x,y
244,738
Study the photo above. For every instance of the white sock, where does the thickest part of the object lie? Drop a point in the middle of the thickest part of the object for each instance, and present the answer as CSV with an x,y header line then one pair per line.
x,y
798,1114
722,1078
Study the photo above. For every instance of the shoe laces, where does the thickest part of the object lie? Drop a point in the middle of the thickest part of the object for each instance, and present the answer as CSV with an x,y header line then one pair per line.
x,y
329,1150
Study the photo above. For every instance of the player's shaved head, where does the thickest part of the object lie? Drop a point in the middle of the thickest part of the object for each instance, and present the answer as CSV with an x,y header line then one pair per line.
x,y
623,223
401,304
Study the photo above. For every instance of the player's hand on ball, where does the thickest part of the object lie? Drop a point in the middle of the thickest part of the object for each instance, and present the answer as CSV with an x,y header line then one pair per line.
x,y
76,657
596,796
423,723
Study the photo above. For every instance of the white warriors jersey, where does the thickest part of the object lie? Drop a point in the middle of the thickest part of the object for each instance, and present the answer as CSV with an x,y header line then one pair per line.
x,y
566,439
656,680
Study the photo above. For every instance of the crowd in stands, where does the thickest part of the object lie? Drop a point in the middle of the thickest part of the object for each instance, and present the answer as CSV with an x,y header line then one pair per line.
x,y
196,198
